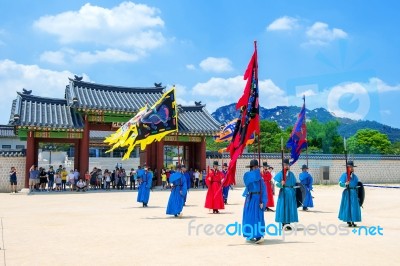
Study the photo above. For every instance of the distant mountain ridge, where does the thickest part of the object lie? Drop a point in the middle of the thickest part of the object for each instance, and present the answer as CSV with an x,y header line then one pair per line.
x,y
286,116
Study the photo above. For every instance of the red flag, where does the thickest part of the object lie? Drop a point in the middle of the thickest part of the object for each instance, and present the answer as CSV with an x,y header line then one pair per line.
x,y
249,120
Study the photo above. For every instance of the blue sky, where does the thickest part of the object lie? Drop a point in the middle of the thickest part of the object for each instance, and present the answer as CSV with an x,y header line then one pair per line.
x,y
343,55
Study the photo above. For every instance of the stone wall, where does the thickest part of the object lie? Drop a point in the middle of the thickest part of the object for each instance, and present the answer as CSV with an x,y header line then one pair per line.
x,y
371,169
5,167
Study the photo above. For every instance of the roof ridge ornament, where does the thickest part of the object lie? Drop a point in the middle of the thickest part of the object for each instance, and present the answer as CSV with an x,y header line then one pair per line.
x,y
77,78
26,92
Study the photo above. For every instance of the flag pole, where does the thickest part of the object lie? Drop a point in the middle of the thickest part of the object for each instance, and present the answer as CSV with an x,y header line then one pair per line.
x,y
305,121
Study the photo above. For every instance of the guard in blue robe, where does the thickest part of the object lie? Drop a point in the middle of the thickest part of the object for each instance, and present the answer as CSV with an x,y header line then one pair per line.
x,y
350,210
253,223
225,189
178,193
286,208
144,187
307,181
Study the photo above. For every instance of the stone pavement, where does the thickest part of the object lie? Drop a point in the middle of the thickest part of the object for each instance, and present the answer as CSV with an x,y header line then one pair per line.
x,y
111,228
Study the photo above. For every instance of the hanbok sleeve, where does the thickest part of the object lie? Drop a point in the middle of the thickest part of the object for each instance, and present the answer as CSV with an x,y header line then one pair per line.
x,y
184,186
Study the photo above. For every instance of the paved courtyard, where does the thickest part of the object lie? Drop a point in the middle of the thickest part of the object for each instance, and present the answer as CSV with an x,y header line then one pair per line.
x,y
111,228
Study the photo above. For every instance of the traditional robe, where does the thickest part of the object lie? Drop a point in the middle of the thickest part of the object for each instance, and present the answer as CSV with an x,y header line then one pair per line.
x,y
255,192
178,193
225,189
286,208
350,210
267,177
144,187
214,199
307,181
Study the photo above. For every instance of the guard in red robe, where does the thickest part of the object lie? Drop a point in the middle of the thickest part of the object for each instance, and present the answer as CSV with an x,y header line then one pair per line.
x,y
267,176
214,199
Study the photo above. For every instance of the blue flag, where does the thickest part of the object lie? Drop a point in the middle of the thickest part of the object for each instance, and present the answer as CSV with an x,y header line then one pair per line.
x,y
298,137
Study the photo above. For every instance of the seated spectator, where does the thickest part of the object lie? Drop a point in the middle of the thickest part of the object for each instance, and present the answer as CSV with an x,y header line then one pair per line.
x,y
81,185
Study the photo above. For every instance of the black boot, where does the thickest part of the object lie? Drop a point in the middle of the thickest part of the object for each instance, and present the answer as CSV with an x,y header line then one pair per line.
x,y
350,224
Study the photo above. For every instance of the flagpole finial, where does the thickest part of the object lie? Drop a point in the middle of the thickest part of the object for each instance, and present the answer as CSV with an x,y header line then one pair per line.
x,y
255,44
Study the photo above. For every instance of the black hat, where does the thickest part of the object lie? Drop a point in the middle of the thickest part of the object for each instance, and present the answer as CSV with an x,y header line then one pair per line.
x,y
216,163
225,164
286,161
183,166
304,167
265,164
351,163
253,163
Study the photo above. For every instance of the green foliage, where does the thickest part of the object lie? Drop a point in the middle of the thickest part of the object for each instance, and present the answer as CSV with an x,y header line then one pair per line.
x,y
395,148
270,138
368,141
211,145
324,137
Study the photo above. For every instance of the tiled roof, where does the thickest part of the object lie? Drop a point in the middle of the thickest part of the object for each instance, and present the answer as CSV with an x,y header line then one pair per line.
x,y
34,111
7,131
94,134
196,120
37,111
86,95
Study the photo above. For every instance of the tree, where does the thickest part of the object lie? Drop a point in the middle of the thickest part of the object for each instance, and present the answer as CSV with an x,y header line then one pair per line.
x,y
324,137
211,145
395,148
369,141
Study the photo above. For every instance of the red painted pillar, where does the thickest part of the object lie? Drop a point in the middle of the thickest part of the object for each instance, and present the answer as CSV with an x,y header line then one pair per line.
x,y
76,156
83,154
202,153
30,156
160,160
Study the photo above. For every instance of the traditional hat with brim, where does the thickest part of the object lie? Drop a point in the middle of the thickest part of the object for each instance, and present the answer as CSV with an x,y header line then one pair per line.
x,y
225,164
304,167
286,161
266,165
253,163
216,163
351,163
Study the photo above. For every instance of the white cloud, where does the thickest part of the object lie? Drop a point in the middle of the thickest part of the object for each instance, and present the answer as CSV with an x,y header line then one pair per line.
x,y
360,98
218,91
127,31
381,86
320,34
190,67
43,82
283,23
218,65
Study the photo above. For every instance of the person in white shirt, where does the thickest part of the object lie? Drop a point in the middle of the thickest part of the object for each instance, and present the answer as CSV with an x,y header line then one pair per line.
x,y
71,180
81,185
